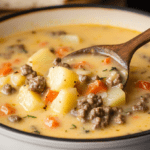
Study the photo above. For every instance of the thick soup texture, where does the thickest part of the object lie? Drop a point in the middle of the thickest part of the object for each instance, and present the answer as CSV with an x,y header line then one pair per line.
x,y
73,97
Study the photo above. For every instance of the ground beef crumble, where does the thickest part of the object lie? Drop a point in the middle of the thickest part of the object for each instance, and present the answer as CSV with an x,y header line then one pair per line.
x,y
26,70
37,84
14,118
114,79
8,89
140,106
90,108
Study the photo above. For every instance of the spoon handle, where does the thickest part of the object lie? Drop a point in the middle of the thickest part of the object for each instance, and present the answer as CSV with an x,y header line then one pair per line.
x,y
127,49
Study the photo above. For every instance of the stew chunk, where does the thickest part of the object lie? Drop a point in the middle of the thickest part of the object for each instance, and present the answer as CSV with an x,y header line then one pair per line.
x,y
37,84
26,69
8,89
60,78
29,100
65,101
14,118
41,61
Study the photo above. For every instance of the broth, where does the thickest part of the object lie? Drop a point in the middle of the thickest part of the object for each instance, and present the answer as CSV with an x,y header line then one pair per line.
x,y
16,49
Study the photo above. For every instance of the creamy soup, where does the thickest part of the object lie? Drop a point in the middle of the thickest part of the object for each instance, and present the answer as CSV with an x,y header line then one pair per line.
x,y
73,97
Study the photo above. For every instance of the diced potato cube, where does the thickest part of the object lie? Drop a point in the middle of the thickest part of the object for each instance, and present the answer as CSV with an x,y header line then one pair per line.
x,y
60,78
17,79
65,101
115,97
41,61
29,100
4,80
70,38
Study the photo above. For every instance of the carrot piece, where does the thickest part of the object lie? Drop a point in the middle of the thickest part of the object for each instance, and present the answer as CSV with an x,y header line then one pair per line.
x,y
6,69
95,87
107,60
8,64
51,122
7,109
143,85
62,51
50,96
43,44
16,61
81,64
135,117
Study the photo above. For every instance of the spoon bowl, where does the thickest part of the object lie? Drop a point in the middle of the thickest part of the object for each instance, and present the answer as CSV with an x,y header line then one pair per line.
x,y
122,53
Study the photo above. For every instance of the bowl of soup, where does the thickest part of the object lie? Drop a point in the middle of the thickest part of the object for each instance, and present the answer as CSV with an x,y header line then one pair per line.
x,y
51,101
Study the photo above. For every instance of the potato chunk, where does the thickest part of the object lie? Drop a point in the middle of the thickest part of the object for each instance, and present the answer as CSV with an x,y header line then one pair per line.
x,y
65,101
115,97
17,79
70,38
29,100
41,61
60,78
83,72
4,80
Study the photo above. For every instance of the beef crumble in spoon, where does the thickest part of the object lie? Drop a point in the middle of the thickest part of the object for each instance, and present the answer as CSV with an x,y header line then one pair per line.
x,y
122,53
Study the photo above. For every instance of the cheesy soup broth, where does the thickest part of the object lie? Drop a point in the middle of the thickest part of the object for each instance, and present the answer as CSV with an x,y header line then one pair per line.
x,y
44,95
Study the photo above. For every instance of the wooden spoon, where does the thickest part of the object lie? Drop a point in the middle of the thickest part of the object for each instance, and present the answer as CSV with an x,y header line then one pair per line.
x,y
122,53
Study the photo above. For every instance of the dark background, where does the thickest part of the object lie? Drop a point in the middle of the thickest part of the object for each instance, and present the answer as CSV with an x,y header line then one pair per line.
x,y
143,5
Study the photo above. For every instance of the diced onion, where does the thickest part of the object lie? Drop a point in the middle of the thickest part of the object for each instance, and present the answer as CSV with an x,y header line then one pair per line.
x,y
103,95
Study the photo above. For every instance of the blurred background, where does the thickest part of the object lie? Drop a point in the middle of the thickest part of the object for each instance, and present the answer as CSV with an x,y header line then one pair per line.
x,y
10,6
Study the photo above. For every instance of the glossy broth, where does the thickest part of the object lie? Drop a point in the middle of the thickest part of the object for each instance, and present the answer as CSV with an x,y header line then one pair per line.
x,y
89,35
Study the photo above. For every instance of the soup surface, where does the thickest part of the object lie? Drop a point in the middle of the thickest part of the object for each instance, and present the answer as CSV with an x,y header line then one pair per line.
x,y
44,93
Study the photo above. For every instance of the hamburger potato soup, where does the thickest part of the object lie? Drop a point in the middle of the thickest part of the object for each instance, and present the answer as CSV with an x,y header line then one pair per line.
x,y
81,96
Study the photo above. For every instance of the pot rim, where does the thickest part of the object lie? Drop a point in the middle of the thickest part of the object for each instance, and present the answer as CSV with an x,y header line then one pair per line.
x,y
118,138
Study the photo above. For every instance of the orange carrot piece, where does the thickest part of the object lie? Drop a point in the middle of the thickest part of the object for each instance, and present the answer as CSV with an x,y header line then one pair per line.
x,y
143,85
135,117
51,122
8,64
62,51
107,60
81,64
16,61
6,69
43,44
95,87
7,109
50,96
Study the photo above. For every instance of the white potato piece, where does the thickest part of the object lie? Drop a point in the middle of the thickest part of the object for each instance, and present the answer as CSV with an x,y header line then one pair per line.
x,y
70,38
65,101
29,100
17,79
4,80
112,75
115,97
41,61
83,72
60,78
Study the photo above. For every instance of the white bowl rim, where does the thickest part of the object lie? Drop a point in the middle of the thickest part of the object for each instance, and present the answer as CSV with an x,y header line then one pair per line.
x,y
118,138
